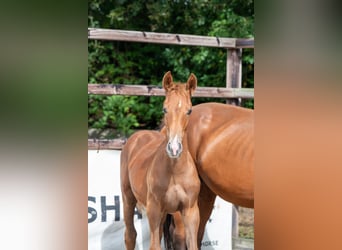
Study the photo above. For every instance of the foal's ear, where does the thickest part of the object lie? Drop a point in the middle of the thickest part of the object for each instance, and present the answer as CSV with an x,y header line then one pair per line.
x,y
191,84
167,81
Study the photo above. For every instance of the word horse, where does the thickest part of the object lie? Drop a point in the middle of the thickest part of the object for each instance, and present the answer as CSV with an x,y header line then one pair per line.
x,y
158,173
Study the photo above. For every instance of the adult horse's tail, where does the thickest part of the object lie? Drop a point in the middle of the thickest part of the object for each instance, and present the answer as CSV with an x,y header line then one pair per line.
x,y
167,232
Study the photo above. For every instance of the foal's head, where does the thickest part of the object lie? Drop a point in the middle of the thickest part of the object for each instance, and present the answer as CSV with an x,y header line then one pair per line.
x,y
177,108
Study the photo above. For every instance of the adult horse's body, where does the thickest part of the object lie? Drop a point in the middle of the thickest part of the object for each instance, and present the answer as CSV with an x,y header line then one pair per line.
x,y
221,142
158,172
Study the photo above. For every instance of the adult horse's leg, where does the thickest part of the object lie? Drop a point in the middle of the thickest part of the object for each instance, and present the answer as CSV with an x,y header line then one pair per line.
x,y
174,232
191,220
206,200
129,203
178,232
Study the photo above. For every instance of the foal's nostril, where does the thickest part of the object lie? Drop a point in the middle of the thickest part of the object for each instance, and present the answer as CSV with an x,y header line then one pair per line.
x,y
180,147
169,146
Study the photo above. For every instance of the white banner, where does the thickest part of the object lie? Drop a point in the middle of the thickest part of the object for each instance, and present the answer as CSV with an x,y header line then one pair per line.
x,y
105,211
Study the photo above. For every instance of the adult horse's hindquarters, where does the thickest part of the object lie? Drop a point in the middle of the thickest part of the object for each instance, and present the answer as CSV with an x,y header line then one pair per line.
x,y
221,142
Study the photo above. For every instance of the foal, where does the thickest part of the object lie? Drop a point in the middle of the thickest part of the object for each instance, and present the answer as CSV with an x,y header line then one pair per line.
x,y
158,173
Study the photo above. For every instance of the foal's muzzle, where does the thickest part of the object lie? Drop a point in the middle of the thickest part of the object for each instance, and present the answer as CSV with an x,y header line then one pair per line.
x,y
174,148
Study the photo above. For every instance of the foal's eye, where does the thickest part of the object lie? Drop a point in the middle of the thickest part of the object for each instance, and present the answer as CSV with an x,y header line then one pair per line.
x,y
164,110
189,112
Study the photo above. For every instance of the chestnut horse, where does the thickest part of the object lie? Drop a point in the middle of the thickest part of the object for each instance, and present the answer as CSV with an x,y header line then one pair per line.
x,y
221,142
158,173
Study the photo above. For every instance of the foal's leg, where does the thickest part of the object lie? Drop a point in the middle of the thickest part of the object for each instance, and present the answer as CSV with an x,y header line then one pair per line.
x,y
129,203
155,217
191,222
206,199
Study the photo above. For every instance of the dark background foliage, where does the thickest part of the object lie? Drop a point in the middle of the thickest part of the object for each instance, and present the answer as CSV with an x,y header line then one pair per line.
x,y
145,64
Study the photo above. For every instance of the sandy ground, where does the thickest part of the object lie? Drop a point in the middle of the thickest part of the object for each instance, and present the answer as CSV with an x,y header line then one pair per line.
x,y
246,223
